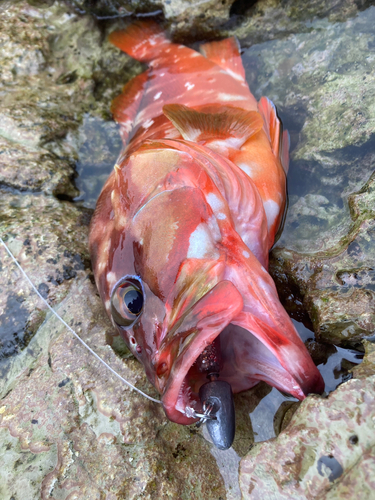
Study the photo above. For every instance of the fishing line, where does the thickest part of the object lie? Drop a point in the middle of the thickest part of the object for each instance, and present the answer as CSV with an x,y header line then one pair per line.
x,y
72,331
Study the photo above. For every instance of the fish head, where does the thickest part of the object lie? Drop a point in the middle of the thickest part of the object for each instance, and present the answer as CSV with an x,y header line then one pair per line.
x,y
174,276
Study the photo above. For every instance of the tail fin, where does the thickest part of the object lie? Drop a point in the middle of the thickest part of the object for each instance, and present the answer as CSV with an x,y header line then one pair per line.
x,y
226,54
141,40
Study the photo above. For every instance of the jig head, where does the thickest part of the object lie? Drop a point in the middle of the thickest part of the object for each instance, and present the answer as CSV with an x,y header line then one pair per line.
x,y
217,398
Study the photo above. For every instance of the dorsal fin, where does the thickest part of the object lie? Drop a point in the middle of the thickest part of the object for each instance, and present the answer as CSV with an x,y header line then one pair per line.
x,y
214,122
142,40
274,129
125,106
226,54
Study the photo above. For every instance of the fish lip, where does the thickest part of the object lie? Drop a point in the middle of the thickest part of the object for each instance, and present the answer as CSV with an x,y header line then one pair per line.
x,y
297,373
212,313
290,352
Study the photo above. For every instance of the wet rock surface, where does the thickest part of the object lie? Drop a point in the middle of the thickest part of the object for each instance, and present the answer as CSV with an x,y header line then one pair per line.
x,y
67,427
323,261
323,81
52,63
326,451
326,448
90,433
186,20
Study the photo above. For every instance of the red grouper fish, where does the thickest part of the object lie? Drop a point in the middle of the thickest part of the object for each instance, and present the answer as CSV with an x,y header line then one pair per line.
x,y
183,227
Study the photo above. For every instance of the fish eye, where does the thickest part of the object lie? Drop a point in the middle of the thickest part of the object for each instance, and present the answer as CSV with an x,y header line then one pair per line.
x,y
127,302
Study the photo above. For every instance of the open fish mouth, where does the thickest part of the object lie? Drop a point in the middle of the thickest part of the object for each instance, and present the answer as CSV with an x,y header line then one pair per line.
x,y
251,351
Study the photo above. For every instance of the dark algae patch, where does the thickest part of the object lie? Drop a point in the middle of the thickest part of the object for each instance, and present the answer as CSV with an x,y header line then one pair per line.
x,y
14,334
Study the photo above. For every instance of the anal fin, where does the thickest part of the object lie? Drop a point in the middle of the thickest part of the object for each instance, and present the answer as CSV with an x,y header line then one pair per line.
x,y
214,122
225,54
125,106
273,127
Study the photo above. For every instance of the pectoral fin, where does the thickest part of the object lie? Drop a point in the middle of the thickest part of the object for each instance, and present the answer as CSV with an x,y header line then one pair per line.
x,y
273,127
214,122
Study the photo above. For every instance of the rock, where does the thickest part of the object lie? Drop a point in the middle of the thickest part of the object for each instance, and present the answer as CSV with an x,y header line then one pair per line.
x,y
323,261
259,21
49,240
323,84
52,64
91,435
326,450
185,20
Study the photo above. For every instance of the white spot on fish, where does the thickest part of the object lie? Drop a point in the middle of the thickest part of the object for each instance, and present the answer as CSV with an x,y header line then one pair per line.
x,y
214,201
148,123
272,210
107,305
189,85
152,41
101,266
195,54
111,279
127,125
246,254
162,74
201,244
140,116
156,96
246,168
214,228
222,146
216,204
234,75
222,96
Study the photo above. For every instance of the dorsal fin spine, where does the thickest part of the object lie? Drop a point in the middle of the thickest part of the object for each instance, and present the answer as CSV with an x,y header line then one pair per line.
x,y
214,122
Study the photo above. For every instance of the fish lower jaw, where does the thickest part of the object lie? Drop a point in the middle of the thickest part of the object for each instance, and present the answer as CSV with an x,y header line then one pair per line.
x,y
185,398
245,362
180,406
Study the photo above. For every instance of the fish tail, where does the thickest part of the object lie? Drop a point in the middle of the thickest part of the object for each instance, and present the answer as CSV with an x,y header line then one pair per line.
x,y
226,54
142,40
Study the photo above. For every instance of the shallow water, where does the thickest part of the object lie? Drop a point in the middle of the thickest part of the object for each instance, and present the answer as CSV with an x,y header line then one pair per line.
x,y
100,145
320,81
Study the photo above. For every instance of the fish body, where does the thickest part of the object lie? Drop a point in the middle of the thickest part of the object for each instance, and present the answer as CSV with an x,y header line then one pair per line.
x,y
184,224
